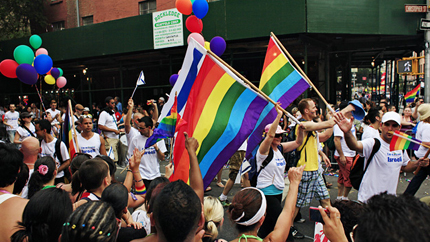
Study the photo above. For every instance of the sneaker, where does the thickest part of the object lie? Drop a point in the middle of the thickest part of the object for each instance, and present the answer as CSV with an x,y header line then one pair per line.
x,y
225,203
296,234
300,221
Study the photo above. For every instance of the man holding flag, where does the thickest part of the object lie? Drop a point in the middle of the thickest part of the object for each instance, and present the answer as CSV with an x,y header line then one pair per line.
x,y
107,124
382,174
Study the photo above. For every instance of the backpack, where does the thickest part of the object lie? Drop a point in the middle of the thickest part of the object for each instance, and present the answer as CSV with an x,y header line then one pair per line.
x,y
357,169
253,173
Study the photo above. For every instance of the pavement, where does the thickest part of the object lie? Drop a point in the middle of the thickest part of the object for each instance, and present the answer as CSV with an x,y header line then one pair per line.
x,y
228,231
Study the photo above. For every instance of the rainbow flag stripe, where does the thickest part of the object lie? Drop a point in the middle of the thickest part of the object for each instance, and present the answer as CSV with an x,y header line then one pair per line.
x,y
167,126
410,96
221,112
402,143
282,83
67,136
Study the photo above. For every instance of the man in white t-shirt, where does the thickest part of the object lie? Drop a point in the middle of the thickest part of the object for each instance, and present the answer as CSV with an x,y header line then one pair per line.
x,y
383,171
30,148
107,124
43,131
344,157
149,167
11,121
55,118
131,123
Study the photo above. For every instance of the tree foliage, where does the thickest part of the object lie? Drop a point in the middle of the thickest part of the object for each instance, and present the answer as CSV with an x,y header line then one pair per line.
x,y
19,18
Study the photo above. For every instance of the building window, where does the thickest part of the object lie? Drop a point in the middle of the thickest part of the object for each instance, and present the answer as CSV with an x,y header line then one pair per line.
x,y
148,6
58,26
87,20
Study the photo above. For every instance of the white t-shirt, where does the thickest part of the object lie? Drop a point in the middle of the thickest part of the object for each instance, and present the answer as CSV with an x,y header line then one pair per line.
x,y
109,121
53,114
149,167
369,132
23,133
73,117
383,172
273,173
12,119
90,146
347,152
423,134
24,193
130,136
48,149
243,146
141,216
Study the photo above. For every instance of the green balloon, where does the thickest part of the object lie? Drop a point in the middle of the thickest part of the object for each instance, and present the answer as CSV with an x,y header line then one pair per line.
x,y
61,71
23,54
35,41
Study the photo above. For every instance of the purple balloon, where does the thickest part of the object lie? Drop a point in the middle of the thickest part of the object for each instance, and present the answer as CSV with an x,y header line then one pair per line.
x,y
43,63
218,45
173,78
26,73
55,73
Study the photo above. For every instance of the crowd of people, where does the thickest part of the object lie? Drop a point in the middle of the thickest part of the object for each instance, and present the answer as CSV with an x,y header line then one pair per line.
x,y
46,195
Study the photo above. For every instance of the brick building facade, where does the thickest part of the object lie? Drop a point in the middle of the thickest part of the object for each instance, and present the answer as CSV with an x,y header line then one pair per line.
x,y
62,14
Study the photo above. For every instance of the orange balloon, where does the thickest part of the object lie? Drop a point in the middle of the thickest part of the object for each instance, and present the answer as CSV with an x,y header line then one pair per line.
x,y
184,6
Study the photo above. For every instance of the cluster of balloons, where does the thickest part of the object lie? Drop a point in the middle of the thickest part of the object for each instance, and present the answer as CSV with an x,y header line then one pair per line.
x,y
194,24
28,65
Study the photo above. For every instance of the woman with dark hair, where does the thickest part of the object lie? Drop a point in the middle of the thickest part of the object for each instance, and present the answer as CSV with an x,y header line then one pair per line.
x,y
248,211
44,216
116,195
372,120
270,178
92,222
408,122
26,128
43,176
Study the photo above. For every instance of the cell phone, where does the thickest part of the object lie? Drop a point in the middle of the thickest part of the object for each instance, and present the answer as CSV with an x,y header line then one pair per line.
x,y
315,215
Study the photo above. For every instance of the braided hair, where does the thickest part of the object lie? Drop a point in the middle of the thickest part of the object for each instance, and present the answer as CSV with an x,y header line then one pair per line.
x,y
93,221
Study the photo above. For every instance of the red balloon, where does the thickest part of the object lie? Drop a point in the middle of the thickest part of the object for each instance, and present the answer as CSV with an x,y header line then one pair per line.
x,y
8,68
184,6
194,24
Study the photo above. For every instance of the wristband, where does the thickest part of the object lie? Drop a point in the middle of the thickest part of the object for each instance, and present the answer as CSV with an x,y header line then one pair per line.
x,y
139,180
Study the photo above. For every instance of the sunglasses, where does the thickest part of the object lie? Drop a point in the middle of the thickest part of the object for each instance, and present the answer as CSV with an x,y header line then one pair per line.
x,y
278,135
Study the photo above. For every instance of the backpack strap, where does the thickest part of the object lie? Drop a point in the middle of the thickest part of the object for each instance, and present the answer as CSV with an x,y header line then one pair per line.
x,y
375,149
28,130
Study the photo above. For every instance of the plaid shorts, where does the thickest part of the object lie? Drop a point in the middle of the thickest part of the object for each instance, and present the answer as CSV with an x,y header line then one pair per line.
x,y
312,184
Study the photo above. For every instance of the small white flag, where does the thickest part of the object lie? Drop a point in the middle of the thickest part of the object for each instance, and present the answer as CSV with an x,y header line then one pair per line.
x,y
141,79
110,153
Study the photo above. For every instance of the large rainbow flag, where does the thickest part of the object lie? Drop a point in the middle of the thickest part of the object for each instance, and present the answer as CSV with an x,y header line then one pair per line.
x,y
167,126
282,83
405,142
67,135
220,113
410,96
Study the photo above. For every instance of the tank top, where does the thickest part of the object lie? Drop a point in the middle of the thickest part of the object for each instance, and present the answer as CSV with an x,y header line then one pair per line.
x,y
91,146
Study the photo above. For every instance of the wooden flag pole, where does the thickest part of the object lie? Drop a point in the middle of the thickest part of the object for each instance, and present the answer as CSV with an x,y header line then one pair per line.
x,y
252,85
301,71
75,137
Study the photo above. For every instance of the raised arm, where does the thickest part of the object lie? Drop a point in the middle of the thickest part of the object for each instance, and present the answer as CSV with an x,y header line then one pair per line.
x,y
267,142
291,145
283,224
127,124
345,125
196,180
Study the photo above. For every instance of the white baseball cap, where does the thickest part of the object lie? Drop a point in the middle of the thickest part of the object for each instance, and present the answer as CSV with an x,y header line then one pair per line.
x,y
391,116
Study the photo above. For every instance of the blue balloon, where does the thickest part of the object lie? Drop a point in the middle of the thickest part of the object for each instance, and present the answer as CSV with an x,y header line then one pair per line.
x,y
173,78
26,73
200,8
43,63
